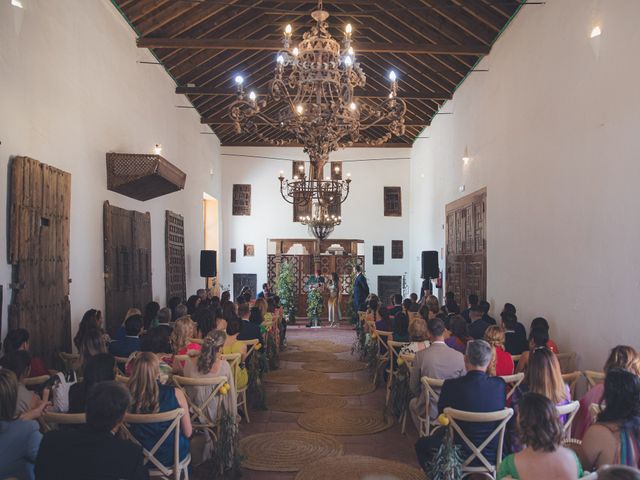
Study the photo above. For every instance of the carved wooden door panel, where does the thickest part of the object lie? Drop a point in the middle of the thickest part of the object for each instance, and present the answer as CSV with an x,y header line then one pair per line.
x,y
466,254
127,263
174,256
40,202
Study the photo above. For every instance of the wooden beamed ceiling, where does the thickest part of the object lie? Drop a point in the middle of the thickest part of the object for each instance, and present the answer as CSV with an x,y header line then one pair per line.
x,y
431,44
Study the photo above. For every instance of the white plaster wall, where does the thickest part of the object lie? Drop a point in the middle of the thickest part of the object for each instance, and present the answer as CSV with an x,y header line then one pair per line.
x,y
552,131
70,91
271,217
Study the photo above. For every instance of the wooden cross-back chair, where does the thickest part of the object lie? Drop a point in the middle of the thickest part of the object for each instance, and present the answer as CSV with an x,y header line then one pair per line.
x,y
594,411
199,413
570,409
34,381
51,419
68,360
431,396
242,393
594,377
487,469
392,371
572,379
409,359
234,360
567,361
512,382
382,339
157,469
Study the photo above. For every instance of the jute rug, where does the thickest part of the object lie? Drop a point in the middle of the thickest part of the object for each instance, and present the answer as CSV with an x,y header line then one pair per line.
x,y
294,376
345,421
337,386
307,356
287,451
299,402
335,366
355,467
322,346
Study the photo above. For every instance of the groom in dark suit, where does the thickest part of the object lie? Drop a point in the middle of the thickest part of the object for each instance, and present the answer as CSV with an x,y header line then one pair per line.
x,y
360,292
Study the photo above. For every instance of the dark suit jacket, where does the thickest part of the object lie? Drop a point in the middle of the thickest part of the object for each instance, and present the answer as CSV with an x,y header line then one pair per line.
x,y
124,347
360,292
515,342
85,453
475,392
489,319
477,329
249,331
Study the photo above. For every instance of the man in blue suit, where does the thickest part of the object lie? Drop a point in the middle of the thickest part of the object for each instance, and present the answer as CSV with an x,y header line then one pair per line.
x,y
131,342
360,291
474,392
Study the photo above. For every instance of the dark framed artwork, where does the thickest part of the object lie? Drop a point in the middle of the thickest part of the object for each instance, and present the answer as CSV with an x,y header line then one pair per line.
x,y
392,201
378,255
233,256
249,250
397,250
241,200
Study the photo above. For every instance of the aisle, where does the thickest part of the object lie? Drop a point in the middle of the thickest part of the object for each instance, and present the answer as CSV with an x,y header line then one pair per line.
x,y
389,444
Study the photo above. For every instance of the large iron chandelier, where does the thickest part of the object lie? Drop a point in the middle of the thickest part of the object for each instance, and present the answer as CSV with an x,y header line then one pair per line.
x,y
321,223
311,101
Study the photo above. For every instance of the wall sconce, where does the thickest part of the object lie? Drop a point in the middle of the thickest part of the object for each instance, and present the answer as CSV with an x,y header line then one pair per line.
x,y
466,157
596,31
157,149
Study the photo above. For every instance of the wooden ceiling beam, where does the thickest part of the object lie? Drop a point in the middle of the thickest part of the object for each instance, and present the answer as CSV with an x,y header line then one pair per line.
x,y
218,121
276,45
297,145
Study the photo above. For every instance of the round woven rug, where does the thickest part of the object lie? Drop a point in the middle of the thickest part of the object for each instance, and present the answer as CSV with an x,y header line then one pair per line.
x,y
322,346
294,376
299,402
345,421
335,366
307,356
337,386
287,451
356,467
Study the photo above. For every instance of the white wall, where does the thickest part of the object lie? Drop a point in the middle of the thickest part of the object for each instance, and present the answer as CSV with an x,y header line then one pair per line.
x,y
271,217
552,130
70,91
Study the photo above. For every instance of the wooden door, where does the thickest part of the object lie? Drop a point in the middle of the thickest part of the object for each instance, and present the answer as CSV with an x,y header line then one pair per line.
x,y
127,263
466,251
40,201
389,285
174,256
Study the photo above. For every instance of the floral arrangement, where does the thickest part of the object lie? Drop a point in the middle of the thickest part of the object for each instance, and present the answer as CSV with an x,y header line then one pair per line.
x,y
315,303
447,463
400,390
257,366
285,289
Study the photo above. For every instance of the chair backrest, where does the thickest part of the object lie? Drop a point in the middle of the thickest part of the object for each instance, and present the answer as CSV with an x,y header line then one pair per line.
x,y
49,419
199,412
173,416
428,386
251,345
394,350
567,361
477,451
30,382
69,359
569,409
383,338
594,411
362,316
409,358
594,377
513,381
121,361
571,379
122,378
234,360
516,358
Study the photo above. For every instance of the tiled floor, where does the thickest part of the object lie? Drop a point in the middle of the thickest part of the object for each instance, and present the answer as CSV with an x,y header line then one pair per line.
x,y
390,444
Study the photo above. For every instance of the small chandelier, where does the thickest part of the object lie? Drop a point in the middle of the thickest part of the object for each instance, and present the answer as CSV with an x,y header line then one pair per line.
x,y
301,189
311,101
321,224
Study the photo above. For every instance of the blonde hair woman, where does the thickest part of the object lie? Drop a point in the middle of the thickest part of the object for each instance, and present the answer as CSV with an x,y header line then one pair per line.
x,y
261,303
419,337
149,396
183,331
501,362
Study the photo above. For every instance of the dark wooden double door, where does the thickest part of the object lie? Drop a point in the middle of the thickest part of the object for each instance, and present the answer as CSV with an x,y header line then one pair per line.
x,y
466,247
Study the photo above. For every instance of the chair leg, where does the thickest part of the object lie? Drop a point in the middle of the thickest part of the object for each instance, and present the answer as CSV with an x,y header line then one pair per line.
x,y
404,422
244,406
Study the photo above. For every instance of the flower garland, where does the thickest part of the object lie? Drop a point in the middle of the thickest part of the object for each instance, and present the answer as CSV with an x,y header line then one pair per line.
x,y
285,289
257,367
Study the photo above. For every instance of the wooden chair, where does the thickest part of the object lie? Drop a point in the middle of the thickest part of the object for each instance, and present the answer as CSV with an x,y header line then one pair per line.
x,y
157,469
408,358
512,381
594,411
571,379
33,381
68,360
516,359
199,413
234,360
594,377
122,379
394,352
431,396
570,409
382,338
487,469
51,419
567,362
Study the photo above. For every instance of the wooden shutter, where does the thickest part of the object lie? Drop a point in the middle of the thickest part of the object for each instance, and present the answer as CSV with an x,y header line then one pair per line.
x,y
174,256
392,202
241,200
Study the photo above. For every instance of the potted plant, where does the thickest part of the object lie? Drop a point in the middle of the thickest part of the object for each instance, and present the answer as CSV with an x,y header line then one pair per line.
x,y
285,289
315,306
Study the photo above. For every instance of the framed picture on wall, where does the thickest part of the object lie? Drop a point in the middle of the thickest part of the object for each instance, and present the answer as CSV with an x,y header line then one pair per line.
x,y
233,256
378,255
249,250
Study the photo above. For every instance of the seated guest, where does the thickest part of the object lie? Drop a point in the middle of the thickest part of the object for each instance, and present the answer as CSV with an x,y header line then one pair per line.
x,y
486,306
450,305
183,332
401,328
615,437
19,438
93,343
19,362
618,472
171,305
164,318
473,301
233,345
210,364
225,298
515,337
18,339
193,302
419,337
501,362
478,325
205,320
474,392
543,376
151,310
92,319
180,311
122,330
99,368
156,341
538,338
438,361
261,303
150,396
544,456
265,293
229,311
396,306
414,303
131,341
623,357
510,308
93,450
248,329
459,334
540,322
255,316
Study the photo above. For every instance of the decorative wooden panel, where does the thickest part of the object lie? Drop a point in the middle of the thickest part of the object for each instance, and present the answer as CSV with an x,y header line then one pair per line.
x,y
40,199
299,210
174,256
392,201
378,255
127,263
233,256
389,285
241,200
241,280
336,174
397,249
466,259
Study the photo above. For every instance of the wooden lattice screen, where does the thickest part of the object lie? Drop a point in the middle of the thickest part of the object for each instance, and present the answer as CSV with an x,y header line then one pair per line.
x,y
392,202
174,256
241,200
397,250
378,255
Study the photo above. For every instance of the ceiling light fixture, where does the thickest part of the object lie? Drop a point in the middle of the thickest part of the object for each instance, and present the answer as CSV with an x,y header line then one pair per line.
x,y
596,31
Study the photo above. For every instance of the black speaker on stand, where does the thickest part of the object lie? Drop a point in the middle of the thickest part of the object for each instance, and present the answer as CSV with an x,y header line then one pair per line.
x,y
208,265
